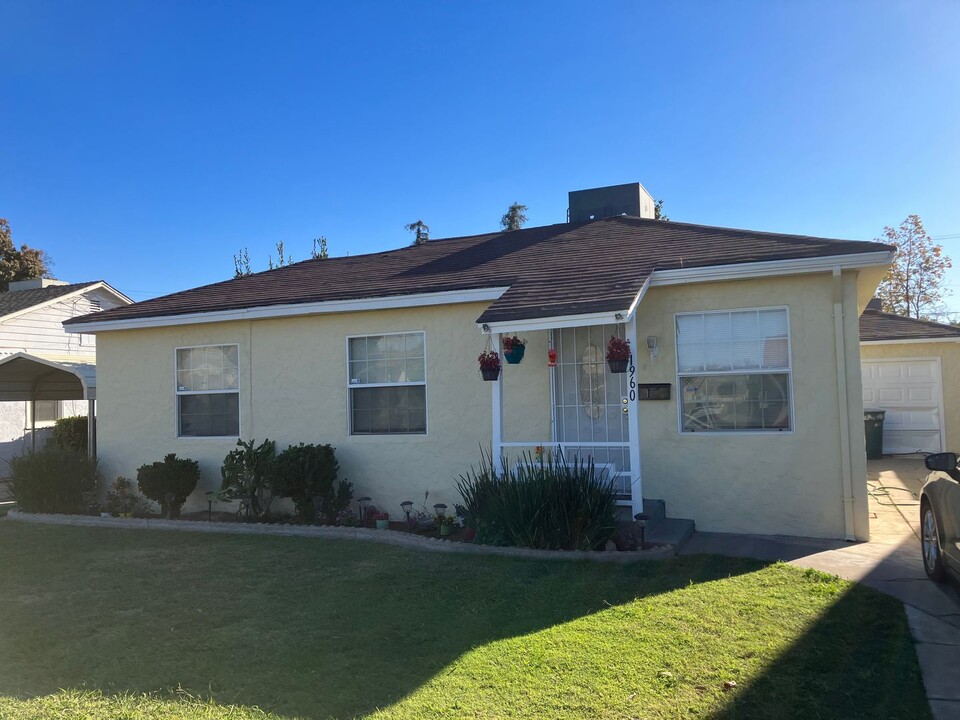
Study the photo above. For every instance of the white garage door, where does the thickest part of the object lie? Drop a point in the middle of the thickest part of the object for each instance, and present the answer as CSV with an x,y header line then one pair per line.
x,y
909,390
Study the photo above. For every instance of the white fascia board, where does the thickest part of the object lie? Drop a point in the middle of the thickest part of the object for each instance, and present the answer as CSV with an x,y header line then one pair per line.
x,y
909,341
69,296
554,323
744,271
294,309
636,301
113,291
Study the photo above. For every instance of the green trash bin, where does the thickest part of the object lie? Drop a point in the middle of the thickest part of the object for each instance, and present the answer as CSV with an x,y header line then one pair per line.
x,y
873,429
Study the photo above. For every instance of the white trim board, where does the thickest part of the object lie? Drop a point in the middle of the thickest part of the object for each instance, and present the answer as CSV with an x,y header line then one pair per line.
x,y
295,309
910,341
99,285
743,271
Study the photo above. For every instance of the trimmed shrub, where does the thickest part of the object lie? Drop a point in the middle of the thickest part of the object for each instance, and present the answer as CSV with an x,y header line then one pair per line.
x,y
305,472
53,480
70,433
169,482
549,504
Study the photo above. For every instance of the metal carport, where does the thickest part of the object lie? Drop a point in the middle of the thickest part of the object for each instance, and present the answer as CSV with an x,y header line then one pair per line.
x,y
28,378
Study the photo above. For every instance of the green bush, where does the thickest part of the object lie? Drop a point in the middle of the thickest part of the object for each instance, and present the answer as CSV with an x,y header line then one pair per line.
x,y
169,482
304,472
248,472
53,480
549,504
70,433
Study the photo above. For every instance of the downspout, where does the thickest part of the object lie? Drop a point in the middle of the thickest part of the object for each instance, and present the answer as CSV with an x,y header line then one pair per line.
x,y
844,407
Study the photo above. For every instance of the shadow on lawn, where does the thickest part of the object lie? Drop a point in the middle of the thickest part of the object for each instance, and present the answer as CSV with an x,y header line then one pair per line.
x,y
336,629
292,625
832,670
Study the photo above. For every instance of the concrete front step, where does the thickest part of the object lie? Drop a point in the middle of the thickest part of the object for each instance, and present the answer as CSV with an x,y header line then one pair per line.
x,y
672,531
660,529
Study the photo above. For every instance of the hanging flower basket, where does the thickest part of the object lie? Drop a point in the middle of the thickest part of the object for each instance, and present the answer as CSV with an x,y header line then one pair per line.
x,y
489,365
618,354
513,349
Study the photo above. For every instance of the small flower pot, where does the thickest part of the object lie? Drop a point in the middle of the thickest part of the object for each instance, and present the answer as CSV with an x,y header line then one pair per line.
x,y
514,355
490,374
383,524
618,366
446,530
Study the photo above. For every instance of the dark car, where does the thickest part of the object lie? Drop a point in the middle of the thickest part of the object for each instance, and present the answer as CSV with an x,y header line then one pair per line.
x,y
940,517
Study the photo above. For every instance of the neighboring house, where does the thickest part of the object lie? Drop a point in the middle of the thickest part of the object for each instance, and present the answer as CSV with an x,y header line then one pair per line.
x,y
911,369
753,334
32,344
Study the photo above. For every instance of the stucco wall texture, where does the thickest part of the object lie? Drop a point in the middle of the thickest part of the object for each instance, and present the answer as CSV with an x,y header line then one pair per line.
x,y
949,354
293,389
769,483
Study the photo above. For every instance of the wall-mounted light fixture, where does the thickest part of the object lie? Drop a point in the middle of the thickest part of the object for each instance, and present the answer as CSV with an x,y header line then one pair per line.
x,y
485,328
653,345
618,317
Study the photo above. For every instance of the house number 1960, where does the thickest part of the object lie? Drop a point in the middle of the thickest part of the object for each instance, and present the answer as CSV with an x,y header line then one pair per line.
x,y
633,386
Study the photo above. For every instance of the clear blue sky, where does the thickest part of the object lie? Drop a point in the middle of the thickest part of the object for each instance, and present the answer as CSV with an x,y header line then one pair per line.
x,y
145,143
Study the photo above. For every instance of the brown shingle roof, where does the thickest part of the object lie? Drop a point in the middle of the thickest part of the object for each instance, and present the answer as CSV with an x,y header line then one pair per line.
x,y
878,325
553,270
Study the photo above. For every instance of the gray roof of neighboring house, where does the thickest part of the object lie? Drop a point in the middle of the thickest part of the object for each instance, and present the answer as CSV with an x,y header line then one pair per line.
x,y
18,300
554,270
878,325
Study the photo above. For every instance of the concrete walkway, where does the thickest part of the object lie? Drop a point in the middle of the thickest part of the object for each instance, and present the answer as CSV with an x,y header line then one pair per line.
x,y
890,562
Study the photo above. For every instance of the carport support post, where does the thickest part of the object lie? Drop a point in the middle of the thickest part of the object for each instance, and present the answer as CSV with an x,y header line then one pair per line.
x,y
33,424
91,429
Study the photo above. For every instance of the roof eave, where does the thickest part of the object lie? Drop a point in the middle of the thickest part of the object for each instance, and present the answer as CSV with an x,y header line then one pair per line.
x,y
290,310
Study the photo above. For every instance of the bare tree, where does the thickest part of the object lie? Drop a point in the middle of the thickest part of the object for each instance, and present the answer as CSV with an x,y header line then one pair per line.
x,y
241,263
319,251
281,258
914,284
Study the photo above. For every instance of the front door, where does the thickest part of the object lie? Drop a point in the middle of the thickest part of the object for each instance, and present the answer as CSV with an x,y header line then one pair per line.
x,y
589,410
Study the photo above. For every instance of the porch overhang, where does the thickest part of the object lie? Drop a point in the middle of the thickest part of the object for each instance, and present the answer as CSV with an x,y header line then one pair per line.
x,y
557,322
26,378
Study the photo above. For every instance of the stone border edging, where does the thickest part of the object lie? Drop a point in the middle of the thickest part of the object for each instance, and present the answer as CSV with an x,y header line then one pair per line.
x,y
384,537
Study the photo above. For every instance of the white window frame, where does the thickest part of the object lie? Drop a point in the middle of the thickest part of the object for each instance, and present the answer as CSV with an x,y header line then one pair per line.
x,y
740,371
352,386
178,392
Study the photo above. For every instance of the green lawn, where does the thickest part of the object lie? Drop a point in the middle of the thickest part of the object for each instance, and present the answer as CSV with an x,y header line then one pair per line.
x,y
103,623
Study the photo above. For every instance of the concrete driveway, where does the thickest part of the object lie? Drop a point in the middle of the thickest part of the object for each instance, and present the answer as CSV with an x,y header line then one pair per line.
x,y
890,562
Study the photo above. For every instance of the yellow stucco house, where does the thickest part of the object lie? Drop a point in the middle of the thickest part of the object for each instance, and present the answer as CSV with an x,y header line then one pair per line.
x,y
741,408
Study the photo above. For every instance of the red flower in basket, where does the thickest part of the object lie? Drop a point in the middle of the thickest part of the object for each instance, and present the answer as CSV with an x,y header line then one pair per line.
x,y
618,354
489,364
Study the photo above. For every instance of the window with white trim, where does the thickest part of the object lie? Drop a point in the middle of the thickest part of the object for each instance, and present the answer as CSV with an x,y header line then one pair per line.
x,y
733,371
387,384
208,391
